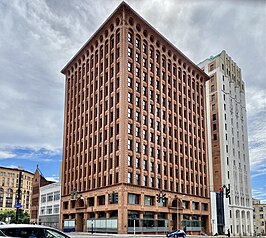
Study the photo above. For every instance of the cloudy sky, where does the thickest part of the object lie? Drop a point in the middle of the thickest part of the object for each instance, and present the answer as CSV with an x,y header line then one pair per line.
x,y
37,39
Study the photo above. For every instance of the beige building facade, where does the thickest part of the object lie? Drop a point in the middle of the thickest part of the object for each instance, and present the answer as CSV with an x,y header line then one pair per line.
x,y
9,179
135,148
259,217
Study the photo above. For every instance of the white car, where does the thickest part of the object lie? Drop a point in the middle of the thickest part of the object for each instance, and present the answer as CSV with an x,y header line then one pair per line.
x,y
30,231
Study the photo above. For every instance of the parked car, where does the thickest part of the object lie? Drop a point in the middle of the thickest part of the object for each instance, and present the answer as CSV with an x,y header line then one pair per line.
x,y
177,233
30,231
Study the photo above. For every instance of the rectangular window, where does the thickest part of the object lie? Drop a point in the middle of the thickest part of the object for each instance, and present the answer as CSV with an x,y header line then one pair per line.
x,y
137,57
42,210
148,201
129,177
130,37
129,52
129,97
129,144
145,181
138,43
129,82
56,209
43,198
133,198
49,210
137,132
129,67
129,129
145,48
211,67
57,196
50,197
137,162
129,113
144,76
138,179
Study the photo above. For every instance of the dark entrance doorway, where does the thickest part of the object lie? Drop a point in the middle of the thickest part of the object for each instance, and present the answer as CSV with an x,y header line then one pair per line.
x,y
80,219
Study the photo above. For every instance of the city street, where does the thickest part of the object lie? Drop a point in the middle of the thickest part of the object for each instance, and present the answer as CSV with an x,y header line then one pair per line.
x,y
98,235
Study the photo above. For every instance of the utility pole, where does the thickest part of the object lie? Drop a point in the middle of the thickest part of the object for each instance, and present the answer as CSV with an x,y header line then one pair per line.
x,y
18,205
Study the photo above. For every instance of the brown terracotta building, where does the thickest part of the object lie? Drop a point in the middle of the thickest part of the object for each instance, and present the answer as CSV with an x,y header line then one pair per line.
x,y
135,128
37,182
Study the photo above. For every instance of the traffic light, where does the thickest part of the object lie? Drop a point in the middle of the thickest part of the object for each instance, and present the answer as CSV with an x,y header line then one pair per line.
x,y
227,192
115,198
164,197
158,198
111,198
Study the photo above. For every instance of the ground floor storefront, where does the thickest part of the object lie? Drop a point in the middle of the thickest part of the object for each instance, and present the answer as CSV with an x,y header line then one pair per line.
x,y
133,210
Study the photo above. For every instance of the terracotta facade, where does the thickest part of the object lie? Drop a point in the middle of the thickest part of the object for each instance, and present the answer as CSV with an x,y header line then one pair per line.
x,y
135,125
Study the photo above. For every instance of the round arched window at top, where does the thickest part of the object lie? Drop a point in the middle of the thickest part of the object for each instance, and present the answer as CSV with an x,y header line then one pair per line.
x,y
131,21
112,27
101,38
145,33
188,69
158,44
152,38
174,57
106,33
169,53
164,49
138,27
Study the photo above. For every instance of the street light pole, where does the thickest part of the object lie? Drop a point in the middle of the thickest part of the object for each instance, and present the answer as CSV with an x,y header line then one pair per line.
x,y
18,196
177,215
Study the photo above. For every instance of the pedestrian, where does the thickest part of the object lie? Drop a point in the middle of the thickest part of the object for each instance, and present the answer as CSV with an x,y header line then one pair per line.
x,y
228,233
185,229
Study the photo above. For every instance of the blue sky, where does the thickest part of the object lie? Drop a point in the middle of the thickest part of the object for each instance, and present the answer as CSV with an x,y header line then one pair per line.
x,y
38,38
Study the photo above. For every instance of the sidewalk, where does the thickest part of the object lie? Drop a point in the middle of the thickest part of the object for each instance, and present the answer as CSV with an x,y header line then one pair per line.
x,y
86,234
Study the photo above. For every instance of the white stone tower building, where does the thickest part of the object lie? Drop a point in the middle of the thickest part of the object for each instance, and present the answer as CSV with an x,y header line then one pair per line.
x,y
229,156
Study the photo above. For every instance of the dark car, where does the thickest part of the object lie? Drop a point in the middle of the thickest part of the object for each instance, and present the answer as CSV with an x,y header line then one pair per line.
x,y
177,233
30,231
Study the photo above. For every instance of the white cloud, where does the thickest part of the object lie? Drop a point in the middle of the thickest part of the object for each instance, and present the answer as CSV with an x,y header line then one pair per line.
x,y
39,37
6,155
259,193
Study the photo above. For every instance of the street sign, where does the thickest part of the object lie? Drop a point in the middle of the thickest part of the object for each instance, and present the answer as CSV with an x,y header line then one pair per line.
x,y
18,205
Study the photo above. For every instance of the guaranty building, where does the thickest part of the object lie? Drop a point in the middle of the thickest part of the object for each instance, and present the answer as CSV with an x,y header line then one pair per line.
x,y
135,141
231,196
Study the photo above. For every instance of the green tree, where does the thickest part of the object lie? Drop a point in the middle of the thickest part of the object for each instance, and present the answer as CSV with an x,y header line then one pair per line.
x,y
23,217
8,213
